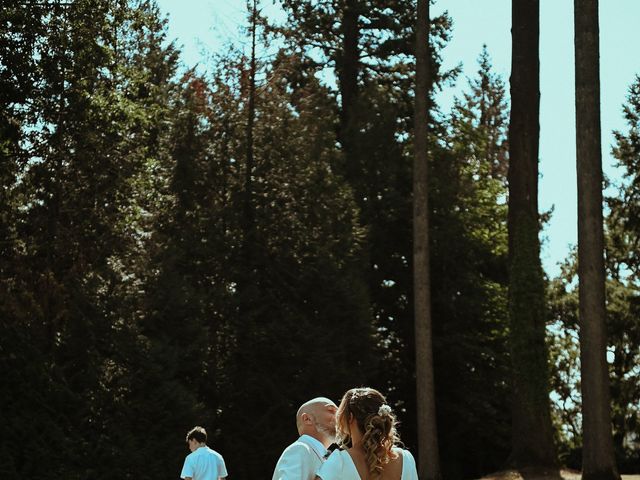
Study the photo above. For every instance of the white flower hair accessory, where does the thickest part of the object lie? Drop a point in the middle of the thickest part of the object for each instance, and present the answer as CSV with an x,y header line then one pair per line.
x,y
384,410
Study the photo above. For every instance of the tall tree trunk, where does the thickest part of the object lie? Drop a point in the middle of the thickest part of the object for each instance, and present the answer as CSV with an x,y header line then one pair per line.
x,y
249,226
428,458
598,462
532,438
348,68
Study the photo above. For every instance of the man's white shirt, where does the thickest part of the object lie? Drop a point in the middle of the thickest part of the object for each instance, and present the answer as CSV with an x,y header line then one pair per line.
x,y
204,464
300,460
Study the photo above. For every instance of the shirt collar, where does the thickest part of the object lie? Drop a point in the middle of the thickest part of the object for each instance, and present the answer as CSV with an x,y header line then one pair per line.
x,y
315,444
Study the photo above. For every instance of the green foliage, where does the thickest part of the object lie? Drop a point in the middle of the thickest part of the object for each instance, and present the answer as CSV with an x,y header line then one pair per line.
x,y
623,290
84,135
623,347
622,236
300,309
135,299
469,275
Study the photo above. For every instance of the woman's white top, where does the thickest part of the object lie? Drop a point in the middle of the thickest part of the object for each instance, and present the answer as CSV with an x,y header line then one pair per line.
x,y
340,466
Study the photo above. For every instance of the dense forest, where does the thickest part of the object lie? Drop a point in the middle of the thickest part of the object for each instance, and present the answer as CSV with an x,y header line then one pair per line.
x,y
181,248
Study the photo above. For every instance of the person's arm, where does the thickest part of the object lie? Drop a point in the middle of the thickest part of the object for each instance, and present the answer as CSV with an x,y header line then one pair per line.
x,y
187,469
222,468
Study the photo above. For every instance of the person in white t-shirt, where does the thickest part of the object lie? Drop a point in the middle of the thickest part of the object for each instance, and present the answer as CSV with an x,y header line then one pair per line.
x,y
316,425
202,463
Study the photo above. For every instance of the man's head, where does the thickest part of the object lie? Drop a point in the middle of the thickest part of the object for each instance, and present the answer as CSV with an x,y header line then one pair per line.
x,y
196,437
317,418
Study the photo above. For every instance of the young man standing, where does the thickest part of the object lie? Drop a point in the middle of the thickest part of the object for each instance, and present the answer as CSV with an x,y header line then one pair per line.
x,y
202,463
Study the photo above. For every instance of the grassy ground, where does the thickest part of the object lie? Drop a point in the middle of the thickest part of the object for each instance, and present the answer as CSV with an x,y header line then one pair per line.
x,y
564,475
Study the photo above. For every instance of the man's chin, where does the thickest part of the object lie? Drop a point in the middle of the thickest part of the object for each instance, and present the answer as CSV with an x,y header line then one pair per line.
x,y
330,432
327,432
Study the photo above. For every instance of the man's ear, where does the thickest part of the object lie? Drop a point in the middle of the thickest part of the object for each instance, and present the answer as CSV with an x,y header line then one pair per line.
x,y
306,419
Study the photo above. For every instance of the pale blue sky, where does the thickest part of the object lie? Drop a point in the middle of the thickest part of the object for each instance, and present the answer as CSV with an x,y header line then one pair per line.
x,y
207,25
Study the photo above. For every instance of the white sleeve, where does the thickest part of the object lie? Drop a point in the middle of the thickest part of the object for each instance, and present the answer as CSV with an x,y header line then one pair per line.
x,y
293,463
188,468
222,470
332,468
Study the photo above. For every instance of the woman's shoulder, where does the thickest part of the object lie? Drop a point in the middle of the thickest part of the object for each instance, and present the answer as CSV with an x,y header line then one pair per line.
x,y
333,467
337,457
403,451
409,471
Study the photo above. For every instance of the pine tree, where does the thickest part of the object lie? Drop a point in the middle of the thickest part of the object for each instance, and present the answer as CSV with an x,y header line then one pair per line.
x,y
624,271
598,461
428,455
88,127
531,431
305,312
469,245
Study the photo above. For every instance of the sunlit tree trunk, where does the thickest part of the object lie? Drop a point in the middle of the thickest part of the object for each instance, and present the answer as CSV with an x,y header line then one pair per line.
x,y
598,461
428,458
532,439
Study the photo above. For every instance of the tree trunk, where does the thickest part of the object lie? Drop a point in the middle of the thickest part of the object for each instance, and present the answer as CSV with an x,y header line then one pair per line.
x,y
598,462
348,68
532,438
249,227
428,458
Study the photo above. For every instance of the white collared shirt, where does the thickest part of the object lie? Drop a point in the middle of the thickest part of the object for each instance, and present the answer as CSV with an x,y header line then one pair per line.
x,y
300,460
315,444
204,464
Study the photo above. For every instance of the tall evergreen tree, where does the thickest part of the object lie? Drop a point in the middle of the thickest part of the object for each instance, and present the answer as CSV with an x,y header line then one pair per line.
x,y
598,461
532,433
25,386
428,456
88,122
469,224
370,47
623,343
623,263
304,309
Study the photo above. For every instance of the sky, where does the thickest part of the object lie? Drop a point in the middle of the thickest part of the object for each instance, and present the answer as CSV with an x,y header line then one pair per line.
x,y
205,26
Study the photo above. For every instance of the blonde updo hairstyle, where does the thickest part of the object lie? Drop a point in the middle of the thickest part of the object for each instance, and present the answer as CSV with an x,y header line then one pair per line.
x,y
376,421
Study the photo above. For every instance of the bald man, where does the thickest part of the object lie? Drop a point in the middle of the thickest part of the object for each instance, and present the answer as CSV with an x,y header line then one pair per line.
x,y
316,423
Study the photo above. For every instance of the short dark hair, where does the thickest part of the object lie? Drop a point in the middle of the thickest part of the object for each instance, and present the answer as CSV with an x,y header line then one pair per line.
x,y
199,434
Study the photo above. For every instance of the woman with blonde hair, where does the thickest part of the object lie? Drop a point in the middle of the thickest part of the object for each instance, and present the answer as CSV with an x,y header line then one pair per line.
x,y
366,428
